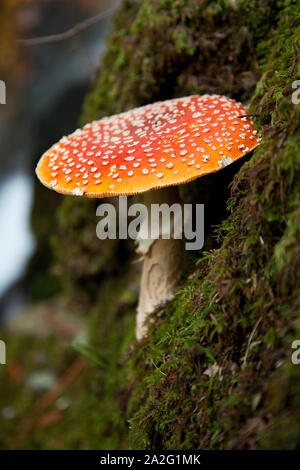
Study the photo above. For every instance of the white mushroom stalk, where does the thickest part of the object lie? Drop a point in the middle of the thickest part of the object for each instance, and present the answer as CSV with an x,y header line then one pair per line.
x,y
163,260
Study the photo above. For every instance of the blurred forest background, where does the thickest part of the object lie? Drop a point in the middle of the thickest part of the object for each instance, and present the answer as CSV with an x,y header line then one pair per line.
x,y
215,372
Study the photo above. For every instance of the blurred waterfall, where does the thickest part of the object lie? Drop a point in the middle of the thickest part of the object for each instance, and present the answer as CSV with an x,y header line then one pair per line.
x,y
16,240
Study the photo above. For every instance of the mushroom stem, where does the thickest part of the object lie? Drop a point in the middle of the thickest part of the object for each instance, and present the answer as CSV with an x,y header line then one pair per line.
x,y
162,267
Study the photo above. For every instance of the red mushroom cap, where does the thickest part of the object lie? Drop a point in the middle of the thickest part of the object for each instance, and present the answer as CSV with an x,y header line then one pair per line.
x,y
154,146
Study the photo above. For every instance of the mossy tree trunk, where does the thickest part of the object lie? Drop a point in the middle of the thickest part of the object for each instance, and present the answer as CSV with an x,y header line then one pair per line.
x,y
215,370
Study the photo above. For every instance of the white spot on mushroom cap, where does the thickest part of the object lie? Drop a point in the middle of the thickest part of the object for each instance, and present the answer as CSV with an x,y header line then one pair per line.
x,y
78,192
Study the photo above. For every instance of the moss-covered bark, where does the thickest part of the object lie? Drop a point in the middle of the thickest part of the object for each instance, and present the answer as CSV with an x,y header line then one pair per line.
x,y
215,371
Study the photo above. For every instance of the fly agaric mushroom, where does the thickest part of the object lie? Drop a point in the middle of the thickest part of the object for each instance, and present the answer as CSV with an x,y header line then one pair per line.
x,y
153,147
